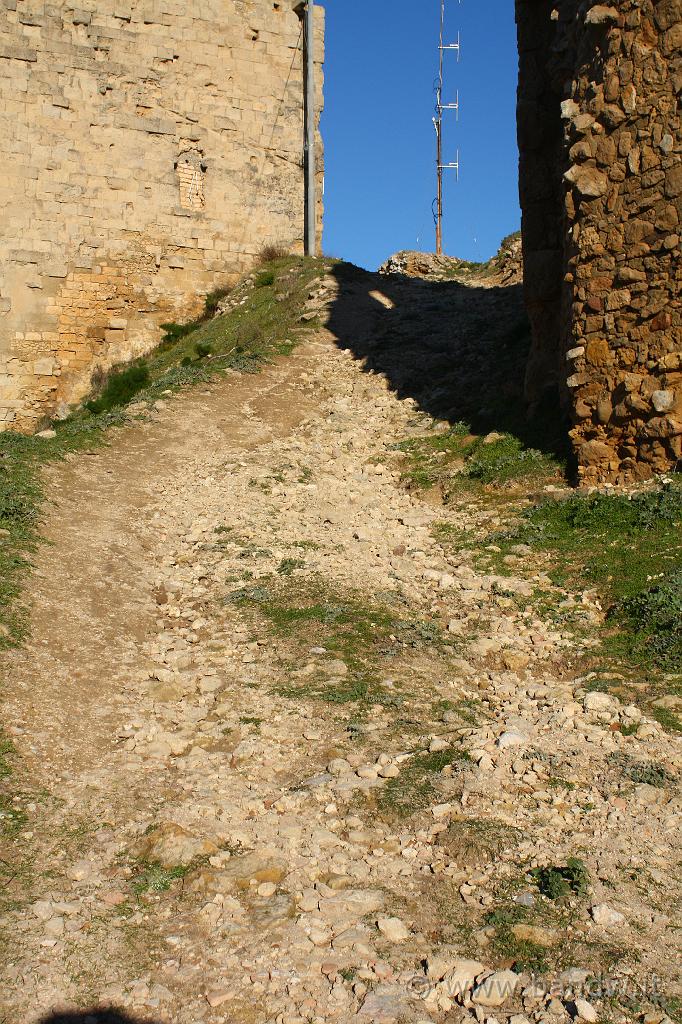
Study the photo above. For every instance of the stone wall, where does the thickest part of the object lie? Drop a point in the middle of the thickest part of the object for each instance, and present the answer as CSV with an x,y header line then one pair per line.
x,y
151,148
601,193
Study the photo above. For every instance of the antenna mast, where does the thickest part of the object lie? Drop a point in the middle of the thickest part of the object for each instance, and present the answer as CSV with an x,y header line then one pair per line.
x,y
438,124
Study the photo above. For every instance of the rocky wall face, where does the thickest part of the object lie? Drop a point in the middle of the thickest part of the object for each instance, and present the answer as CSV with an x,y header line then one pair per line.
x,y
601,193
150,149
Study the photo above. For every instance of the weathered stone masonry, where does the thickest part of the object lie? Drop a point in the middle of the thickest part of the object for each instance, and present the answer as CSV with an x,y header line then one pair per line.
x,y
149,149
601,192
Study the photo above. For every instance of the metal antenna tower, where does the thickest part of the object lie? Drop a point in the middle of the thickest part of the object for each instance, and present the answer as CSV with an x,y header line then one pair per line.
x,y
438,124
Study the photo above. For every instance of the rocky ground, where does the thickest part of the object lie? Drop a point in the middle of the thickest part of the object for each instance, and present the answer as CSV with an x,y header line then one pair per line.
x,y
286,758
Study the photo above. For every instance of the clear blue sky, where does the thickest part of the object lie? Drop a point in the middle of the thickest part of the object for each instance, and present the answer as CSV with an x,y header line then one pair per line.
x,y
381,63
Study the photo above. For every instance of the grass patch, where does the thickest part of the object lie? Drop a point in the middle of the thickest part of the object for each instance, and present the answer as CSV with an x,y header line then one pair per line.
x,y
7,751
120,388
456,460
525,955
307,612
417,785
153,877
12,818
472,842
629,548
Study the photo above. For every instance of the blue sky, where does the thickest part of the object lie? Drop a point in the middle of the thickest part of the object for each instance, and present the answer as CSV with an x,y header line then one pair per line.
x,y
381,62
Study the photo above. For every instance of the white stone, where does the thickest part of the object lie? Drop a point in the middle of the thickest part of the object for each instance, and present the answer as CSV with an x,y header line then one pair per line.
x,y
599,702
586,1010
606,916
497,989
511,738
663,401
393,929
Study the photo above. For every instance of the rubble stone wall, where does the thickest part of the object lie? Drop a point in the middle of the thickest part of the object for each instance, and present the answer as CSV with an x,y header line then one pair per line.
x,y
150,149
601,194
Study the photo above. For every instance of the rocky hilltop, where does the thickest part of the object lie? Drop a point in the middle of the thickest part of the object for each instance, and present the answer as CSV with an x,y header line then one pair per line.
x,y
506,267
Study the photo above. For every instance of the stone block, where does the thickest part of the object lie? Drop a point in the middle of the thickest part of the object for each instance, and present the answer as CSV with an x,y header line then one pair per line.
x,y
44,367
602,15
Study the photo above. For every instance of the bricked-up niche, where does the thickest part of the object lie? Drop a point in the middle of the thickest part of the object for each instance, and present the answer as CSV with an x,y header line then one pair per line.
x,y
151,148
191,169
601,193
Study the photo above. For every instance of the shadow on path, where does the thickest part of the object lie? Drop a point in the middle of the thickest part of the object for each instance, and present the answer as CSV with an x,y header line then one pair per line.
x,y
101,1015
460,350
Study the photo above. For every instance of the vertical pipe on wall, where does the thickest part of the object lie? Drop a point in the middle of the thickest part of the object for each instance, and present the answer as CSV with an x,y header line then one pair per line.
x,y
310,179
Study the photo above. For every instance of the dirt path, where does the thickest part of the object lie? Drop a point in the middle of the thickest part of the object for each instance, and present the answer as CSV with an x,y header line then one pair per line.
x,y
281,748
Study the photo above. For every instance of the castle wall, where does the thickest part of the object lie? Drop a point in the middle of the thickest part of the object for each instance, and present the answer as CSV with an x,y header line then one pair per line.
x,y
150,149
601,194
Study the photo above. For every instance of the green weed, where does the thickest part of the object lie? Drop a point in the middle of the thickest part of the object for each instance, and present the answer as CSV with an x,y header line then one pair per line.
x,y
642,772
557,883
666,718
250,720
653,620
456,460
507,460
155,878
288,566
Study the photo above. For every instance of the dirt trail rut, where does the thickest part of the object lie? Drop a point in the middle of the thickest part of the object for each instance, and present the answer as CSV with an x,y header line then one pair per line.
x,y
290,759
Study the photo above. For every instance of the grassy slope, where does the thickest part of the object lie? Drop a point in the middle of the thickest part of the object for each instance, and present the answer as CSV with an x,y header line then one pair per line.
x,y
628,549
244,339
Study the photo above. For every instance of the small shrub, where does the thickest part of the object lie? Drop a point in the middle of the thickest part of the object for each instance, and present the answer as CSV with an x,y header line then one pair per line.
x,y
654,615
270,253
557,883
472,842
213,300
288,565
265,279
642,772
508,240
176,332
120,388
202,350
504,460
